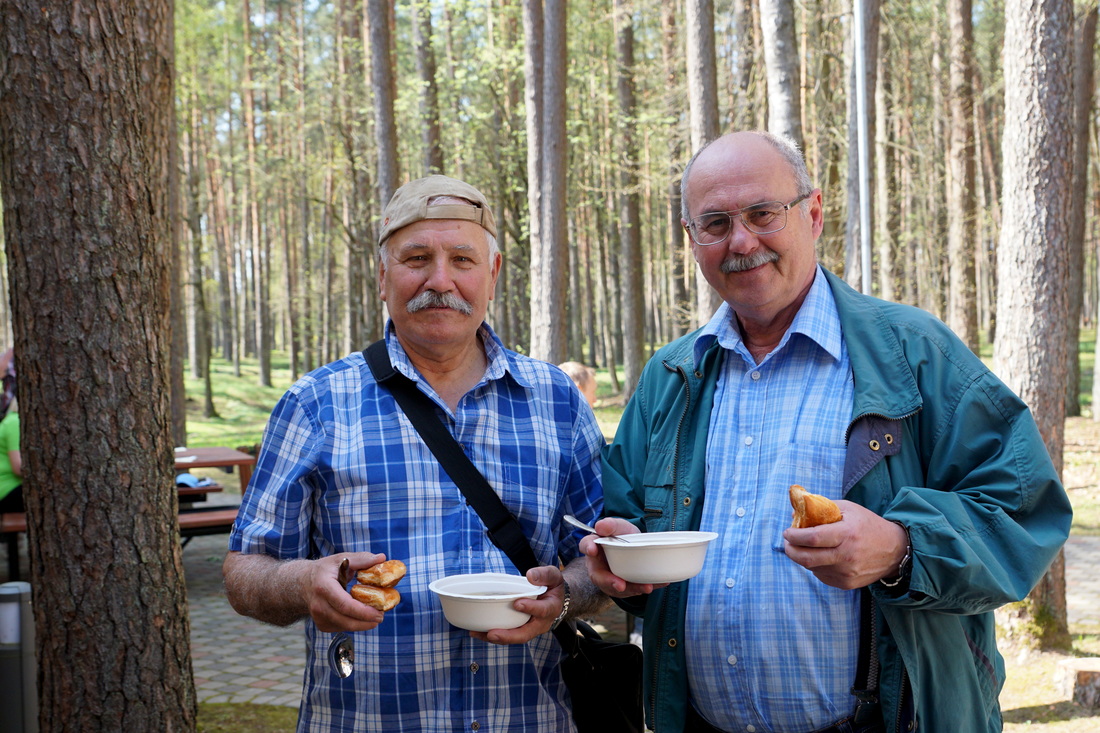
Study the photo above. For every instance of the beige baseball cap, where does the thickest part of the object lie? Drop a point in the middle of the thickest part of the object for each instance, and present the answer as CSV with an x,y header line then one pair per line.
x,y
409,205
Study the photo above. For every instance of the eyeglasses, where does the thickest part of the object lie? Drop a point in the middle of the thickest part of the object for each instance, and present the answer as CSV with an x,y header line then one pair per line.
x,y
764,218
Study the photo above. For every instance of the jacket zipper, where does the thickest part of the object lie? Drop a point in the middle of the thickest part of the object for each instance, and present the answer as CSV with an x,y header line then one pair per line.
x,y
848,430
675,510
901,699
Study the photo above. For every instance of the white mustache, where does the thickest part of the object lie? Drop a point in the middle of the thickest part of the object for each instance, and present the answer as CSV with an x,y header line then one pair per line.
x,y
740,263
432,299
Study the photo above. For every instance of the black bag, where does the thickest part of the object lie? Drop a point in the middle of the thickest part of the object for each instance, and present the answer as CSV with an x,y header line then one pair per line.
x,y
605,682
604,678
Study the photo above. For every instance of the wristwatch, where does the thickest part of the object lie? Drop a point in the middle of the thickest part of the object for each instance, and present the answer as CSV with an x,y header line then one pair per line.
x,y
564,606
904,566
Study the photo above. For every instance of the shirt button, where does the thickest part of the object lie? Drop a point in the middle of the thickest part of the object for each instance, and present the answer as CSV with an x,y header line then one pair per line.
x,y
475,725
755,376
732,659
730,582
740,511
748,440
474,667
750,728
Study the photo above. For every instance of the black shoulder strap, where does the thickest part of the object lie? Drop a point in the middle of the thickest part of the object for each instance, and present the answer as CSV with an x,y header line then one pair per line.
x,y
503,528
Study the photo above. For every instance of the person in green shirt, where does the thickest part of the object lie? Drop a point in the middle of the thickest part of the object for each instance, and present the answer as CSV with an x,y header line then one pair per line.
x,y
11,465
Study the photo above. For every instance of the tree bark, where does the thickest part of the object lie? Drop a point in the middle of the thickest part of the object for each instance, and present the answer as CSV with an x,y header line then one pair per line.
x,y
549,262
384,87
429,96
86,95
702,79
962,303
533,32
1084,47
630,223
1032,260
783,69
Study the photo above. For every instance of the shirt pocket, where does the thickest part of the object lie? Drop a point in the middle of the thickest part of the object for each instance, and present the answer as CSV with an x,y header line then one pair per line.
x,y
817,468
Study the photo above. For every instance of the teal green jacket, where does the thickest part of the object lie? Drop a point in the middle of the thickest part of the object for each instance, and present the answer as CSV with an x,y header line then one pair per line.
x,y
936,442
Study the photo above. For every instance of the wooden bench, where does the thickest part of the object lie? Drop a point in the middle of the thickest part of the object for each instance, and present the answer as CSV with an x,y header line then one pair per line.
x,y
192,523
206,521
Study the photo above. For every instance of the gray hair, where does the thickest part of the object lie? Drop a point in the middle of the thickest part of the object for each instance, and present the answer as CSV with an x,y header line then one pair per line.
x,y
782,145
494,248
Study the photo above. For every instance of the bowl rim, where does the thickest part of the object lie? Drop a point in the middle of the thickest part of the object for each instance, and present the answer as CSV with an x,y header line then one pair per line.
x,y
691,538
530,590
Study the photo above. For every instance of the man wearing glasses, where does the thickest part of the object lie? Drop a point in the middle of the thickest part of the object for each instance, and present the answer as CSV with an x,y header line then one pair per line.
x,y
951,506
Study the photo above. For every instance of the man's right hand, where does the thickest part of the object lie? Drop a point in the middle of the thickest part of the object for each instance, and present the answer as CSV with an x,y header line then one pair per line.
x,y
330,605
281,592
598,570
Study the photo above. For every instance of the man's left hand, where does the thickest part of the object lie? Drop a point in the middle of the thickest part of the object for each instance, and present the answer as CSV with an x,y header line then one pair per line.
x,y
543,609
852,553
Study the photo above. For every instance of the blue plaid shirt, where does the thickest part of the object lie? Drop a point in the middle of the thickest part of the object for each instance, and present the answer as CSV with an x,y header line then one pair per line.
x,y
342,470
770,647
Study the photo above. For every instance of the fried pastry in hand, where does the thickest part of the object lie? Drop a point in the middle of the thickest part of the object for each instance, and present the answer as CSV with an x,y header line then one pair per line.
x,y
810,510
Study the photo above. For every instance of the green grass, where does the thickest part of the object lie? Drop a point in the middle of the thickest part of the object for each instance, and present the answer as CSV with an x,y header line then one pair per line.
x,y
242,405
245,718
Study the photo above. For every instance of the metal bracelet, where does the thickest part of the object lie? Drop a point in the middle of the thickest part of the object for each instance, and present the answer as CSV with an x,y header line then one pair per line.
x,y
564,606
903,566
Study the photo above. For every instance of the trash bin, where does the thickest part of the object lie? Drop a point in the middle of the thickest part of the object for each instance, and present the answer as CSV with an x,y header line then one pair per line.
x,y
18,674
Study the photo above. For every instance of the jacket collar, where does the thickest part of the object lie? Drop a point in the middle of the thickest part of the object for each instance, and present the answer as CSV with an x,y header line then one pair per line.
x,y
885,384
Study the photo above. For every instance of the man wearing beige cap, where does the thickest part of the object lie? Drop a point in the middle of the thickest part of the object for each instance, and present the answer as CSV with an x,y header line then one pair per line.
x,y
343,474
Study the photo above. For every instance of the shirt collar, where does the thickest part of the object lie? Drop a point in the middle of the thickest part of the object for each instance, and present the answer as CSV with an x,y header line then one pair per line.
x,y
817,319
500,361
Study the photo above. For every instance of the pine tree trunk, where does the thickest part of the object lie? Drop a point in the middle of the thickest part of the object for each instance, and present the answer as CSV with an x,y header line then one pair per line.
x,y
702,80
92,336
1033,259
1085,43
962,303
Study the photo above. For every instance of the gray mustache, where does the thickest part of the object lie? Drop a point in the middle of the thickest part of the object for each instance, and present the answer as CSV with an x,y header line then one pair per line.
x,y
740,263
432,299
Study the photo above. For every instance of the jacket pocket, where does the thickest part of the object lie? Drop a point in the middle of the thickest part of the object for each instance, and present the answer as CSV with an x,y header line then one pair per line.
x,y
660,490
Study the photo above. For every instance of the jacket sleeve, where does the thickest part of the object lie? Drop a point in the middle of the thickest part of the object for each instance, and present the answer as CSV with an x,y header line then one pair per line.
x,y
623,464
992,514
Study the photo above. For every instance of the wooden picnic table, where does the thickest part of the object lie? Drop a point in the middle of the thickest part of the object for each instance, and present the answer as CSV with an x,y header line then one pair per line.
x,y
216,457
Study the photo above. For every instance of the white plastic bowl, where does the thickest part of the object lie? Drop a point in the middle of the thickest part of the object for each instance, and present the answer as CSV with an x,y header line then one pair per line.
x,y
483,601
657,557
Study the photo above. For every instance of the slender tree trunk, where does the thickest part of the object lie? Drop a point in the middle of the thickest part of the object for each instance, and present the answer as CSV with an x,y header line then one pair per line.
x,y
962,304
1085,45
92,332
384,86
429,97
1033,258
702,79
853,271
682,307
550,253
630,224
885,182
784,75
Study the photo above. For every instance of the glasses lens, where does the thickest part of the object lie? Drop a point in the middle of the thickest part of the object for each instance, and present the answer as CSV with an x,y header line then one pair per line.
x,y
765,218
710,228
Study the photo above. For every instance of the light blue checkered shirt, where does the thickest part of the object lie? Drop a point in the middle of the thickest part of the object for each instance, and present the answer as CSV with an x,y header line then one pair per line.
x,y
770,647
343,470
